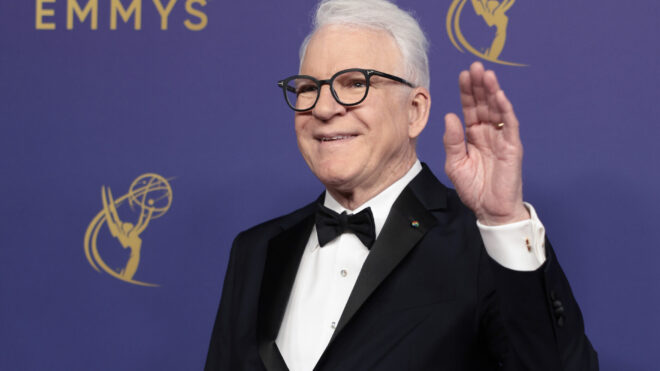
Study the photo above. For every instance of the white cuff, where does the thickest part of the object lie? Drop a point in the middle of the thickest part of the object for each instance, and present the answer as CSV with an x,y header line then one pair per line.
x,y
518,246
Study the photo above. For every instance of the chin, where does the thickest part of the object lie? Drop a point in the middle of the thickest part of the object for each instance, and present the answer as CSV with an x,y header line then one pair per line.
x,y
336,175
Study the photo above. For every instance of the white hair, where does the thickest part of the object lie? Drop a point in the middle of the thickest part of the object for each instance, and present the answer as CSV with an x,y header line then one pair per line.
x,y
379,15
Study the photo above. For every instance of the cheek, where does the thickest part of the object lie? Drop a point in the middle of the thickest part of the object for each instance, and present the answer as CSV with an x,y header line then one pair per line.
x,y
390,120
398,125
392,132
300,127
304,139
297,125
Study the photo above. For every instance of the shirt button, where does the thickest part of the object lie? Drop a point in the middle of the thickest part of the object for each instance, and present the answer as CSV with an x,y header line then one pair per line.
x,y
333,325
343,273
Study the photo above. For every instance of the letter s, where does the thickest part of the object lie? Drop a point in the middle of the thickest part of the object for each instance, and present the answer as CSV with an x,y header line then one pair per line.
x,y
203,19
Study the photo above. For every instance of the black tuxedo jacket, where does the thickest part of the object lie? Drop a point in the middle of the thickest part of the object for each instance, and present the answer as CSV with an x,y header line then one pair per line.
x,y
428,298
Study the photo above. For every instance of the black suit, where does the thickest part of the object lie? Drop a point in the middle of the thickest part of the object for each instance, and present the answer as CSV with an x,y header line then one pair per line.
x,y
427,298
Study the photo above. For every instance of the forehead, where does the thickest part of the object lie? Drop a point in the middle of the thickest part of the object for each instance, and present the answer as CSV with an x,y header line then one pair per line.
x,y
338,47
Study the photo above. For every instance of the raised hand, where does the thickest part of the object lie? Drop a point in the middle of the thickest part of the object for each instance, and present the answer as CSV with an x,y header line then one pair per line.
x,y
485,162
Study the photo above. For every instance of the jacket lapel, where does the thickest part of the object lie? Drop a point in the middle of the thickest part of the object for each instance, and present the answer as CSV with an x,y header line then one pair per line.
x,y
409,220
283,257
407,223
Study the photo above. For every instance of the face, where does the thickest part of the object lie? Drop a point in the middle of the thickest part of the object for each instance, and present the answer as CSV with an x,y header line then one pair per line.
x,y
365,147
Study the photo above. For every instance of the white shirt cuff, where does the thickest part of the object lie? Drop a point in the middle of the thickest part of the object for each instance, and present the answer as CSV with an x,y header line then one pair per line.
x,y
518,246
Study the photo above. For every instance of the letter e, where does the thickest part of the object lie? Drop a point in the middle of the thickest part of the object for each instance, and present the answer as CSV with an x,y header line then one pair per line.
x,y
41,13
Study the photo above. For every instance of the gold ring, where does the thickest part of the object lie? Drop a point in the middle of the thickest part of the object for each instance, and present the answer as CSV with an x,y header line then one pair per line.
x,y
500,125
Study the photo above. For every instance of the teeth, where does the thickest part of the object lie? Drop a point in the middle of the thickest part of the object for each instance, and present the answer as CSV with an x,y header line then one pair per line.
x,y
338,137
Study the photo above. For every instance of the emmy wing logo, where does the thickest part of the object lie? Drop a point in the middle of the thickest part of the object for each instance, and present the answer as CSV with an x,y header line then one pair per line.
x,y
494,14
149,197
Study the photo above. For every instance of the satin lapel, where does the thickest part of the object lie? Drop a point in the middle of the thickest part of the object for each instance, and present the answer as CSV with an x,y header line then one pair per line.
x,y
405,226
284,253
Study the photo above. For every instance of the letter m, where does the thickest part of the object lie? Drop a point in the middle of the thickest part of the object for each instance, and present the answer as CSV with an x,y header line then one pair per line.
x,y
117,7
72,7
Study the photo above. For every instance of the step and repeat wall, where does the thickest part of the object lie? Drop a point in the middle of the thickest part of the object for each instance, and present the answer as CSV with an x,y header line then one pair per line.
x,y
138,137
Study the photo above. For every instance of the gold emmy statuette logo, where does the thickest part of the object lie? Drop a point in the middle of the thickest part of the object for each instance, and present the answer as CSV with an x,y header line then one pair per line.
x,y
149,196
494,14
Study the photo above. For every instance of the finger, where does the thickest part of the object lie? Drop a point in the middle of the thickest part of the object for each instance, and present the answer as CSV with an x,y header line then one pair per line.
x,y
511,129
490,82
454,140
467,98
479,91
492,87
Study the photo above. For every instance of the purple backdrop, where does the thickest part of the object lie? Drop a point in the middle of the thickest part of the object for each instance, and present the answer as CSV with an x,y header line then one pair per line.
x,y
81,109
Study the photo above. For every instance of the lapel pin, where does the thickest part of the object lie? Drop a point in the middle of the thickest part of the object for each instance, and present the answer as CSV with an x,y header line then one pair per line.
x,y
414,224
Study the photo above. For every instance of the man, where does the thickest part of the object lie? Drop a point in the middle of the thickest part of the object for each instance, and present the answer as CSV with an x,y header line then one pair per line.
x,y
387,270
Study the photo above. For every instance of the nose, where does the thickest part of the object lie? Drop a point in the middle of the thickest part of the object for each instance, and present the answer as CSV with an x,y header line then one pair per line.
x,y
327,107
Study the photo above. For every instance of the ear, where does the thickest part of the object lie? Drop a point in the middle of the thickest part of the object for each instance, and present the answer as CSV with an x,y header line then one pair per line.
x,y
418,112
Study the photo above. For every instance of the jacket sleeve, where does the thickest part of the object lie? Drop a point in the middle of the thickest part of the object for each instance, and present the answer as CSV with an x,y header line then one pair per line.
x,y
219,353
531,319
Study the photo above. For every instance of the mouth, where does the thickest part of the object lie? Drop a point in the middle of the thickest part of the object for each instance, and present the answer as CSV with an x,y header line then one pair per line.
x,y
335,138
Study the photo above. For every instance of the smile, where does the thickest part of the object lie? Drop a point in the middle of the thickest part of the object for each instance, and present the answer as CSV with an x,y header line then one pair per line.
x,y
335,138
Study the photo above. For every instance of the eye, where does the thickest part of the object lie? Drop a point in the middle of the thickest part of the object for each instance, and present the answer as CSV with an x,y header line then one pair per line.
x,y
306,88
358,83
353,83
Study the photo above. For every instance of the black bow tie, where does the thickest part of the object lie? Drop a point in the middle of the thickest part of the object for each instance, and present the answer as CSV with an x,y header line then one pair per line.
x,y
329,225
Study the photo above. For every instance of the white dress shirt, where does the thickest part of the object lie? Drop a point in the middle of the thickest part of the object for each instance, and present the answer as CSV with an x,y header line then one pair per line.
x,y
326,276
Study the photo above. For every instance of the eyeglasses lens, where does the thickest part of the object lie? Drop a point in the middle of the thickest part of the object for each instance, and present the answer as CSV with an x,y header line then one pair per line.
x,y
350,87
301,93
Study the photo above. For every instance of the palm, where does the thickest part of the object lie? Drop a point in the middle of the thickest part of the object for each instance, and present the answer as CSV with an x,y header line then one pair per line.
x,y
488,175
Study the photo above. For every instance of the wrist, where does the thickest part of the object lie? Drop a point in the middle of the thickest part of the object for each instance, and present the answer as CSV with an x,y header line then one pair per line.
x,y
521,213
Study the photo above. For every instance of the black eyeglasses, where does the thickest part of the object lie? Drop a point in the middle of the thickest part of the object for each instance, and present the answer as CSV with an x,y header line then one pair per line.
x,y
349,87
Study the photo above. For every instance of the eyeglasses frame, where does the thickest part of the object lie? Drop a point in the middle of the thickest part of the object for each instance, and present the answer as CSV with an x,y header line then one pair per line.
x,y
319,84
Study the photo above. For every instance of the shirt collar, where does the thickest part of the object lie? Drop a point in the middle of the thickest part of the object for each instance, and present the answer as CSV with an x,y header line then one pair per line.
x,y
381,204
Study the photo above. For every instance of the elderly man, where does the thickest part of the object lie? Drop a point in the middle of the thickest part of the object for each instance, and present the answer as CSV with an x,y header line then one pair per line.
x,y
389,269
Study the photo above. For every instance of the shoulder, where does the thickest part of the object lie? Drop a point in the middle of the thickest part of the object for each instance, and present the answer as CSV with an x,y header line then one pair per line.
x,y
438,198
270,228
250,247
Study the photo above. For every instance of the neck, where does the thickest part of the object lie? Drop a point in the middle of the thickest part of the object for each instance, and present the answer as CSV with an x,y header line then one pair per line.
x,y
353,198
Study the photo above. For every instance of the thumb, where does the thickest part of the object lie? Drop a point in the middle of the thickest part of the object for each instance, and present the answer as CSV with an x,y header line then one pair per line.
x,y
454,139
